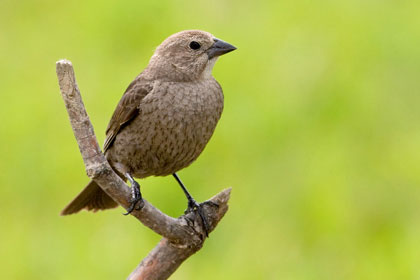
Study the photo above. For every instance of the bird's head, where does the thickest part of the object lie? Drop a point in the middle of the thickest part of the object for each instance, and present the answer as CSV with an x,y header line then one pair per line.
x,y
187,56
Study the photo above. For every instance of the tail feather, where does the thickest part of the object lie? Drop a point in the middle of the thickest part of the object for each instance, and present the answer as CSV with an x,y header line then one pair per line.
x,y
92,198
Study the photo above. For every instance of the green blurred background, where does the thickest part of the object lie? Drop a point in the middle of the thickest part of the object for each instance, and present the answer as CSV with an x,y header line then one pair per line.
x,y
320,138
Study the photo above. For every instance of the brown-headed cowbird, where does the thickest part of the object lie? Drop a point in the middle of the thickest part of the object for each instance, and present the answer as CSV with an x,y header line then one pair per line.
x,y
164,119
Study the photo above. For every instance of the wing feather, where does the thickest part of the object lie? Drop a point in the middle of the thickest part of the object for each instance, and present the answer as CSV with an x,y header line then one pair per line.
x,y
127,109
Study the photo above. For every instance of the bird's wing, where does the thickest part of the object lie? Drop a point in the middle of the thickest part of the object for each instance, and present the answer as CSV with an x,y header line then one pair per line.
x,y
127,109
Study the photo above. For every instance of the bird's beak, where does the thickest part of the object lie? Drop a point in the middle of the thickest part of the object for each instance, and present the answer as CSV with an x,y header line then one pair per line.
x,y
219,48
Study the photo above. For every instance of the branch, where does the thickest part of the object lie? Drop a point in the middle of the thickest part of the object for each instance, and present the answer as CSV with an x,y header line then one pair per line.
x,y
182,237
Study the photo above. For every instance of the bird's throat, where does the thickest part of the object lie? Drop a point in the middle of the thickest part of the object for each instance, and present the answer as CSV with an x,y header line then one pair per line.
x,y
209,68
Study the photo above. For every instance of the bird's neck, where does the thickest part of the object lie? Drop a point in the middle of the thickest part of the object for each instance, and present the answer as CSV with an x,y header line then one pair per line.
x,y
164,70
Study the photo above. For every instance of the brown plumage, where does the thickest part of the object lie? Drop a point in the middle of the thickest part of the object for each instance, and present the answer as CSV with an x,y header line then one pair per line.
x,y
165,117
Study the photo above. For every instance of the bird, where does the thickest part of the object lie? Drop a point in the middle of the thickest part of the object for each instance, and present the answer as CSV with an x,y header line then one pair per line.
x,y
164,119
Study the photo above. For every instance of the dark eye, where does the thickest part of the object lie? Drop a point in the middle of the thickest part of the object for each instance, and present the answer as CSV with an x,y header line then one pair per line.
x,y
195,45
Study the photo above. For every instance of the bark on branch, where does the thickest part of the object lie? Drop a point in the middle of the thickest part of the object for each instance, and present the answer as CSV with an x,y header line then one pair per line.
x,y
182,237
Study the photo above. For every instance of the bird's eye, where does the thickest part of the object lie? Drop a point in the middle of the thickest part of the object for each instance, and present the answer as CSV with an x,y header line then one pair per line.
x,y
195,45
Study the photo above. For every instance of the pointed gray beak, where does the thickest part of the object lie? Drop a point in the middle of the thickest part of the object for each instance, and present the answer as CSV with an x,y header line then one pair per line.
x,y
219,48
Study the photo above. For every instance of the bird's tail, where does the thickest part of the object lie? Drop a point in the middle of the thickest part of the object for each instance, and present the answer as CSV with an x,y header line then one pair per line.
x,y
92,198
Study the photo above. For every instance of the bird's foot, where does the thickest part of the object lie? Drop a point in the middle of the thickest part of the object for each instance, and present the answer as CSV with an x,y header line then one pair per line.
x,y
193,206
136,197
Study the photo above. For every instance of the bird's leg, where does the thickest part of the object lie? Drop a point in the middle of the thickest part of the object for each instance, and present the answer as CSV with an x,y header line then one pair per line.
x,y
194,206
135,194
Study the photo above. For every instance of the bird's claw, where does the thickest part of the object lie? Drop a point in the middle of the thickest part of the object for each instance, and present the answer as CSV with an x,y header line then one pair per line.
x,y
193,206
135,198
133,205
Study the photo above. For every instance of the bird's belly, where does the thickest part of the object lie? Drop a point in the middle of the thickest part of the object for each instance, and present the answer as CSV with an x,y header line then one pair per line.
x,y
159,150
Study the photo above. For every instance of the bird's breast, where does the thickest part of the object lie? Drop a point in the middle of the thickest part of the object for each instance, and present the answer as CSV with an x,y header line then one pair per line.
x,y
184,105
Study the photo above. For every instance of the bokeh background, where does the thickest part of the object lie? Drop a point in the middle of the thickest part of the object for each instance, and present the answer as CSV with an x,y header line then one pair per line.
x,y
320,138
